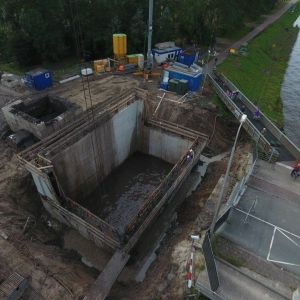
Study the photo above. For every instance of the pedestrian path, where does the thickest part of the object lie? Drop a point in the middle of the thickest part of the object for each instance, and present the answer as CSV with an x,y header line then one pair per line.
x,y
265,129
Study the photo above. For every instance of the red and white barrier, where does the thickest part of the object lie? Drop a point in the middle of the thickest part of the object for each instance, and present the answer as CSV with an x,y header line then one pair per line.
x,y
190,275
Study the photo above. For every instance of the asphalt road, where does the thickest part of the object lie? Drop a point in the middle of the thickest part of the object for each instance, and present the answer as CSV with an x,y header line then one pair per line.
x,y
266,220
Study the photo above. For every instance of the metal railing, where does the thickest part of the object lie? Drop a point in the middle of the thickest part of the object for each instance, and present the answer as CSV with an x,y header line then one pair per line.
x,y
207,292
268,124
109,231
256,135
172,179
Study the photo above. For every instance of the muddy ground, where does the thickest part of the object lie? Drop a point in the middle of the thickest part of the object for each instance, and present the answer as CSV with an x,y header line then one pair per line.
x,y
36,250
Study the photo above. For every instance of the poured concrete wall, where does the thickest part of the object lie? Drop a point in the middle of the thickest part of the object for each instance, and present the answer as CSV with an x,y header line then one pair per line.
x,y
79,170
39,129
164,145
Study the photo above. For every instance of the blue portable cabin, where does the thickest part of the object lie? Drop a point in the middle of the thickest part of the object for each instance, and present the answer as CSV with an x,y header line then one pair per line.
x,y
161,55
192,74
186,58
38,79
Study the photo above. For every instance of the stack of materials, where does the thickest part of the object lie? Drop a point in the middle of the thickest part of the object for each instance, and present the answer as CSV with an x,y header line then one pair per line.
x,y
136,59
101,66
127,69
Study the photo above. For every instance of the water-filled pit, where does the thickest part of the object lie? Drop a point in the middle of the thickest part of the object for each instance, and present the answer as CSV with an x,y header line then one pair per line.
x,y
120,196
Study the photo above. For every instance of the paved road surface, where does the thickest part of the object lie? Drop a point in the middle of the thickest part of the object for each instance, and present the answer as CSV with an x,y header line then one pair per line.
x,y
266,220
235,285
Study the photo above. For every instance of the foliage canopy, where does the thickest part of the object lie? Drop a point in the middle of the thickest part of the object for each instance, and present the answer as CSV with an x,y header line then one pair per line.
x,y
34,31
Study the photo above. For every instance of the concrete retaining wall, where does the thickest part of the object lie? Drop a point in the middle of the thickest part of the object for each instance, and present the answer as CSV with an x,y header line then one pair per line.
x,y
84,228
38,129
79,170
164,145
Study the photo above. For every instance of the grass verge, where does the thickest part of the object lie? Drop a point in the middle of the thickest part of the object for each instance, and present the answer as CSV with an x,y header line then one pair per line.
x,y
217,249
64,68
260,74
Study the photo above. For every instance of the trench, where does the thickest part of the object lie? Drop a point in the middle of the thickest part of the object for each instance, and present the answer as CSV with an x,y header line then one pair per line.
x,y
290,93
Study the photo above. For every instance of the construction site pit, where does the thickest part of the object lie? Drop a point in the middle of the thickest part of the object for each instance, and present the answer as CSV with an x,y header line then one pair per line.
x,y
41,114
122,193
111,168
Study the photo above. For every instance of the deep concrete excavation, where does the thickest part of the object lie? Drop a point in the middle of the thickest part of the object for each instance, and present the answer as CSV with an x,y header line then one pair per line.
x,y
109,174
41,114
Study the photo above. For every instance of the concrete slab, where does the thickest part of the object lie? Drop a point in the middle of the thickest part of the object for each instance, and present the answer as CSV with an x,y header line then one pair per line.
x,y
106,279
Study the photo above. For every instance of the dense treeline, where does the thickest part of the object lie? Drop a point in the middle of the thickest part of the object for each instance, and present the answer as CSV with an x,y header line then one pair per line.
x,y
32,31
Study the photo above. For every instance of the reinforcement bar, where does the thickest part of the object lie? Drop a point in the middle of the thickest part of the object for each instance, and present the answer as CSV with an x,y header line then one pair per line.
x,y
111,104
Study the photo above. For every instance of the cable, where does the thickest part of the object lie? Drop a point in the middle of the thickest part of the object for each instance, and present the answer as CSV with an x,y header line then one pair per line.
x,y
78,35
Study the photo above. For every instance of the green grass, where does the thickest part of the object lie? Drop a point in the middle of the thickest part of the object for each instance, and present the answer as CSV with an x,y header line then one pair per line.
x,y
12,67
260,74
60,70
217,249
223,111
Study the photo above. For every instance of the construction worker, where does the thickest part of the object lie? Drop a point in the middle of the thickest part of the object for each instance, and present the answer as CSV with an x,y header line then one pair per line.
x,y
257,114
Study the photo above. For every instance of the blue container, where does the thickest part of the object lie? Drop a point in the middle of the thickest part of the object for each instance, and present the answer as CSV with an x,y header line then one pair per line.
x,y
194,80
164,85
39,79
186,59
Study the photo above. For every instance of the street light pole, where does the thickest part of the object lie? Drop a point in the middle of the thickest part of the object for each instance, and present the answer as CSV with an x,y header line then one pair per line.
x,y
219,202
205,71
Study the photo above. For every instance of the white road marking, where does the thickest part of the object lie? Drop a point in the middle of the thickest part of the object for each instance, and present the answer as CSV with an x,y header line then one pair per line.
x,y
295,243
266,222
281,230
283,263
271,243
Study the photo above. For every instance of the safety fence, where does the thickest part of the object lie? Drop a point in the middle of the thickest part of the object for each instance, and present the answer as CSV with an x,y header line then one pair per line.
x,y
237,191
207,292
91,232
162,189
160,196
268,124
108,230
265,146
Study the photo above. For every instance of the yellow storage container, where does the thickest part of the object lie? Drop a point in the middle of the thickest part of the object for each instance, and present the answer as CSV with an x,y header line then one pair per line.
x,y
133,59
100,68
137,59
120,45
100,64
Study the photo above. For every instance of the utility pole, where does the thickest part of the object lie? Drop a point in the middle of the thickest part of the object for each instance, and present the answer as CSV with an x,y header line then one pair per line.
x,y
219,201
150,30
